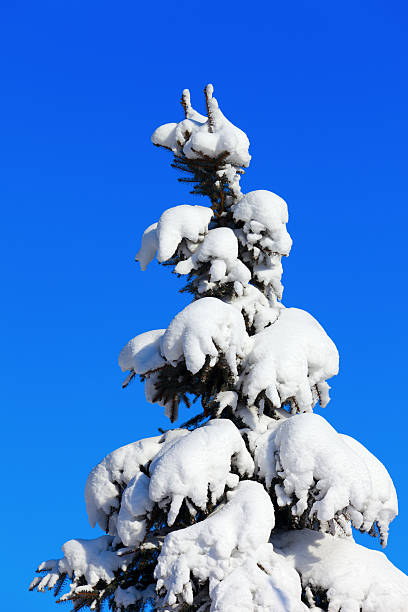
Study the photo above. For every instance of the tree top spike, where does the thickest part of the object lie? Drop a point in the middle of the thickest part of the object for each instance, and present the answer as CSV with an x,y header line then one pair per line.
x,y
186,102
208,91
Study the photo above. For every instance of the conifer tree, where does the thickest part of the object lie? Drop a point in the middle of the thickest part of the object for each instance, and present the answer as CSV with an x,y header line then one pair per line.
x,y
251,504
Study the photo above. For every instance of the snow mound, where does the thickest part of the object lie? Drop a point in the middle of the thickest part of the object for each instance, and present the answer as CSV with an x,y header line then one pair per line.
x,y
207,327
109,478
268,271
289,360
93,559
198,466
255,307
325,473
212,548
127,597
264,216
201,137
135,505
148,248
142,353
220,247
180,224
263,583
385,509
355,578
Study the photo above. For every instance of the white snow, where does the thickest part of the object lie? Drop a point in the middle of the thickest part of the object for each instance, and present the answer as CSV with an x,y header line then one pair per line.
x,y
289,359
180,225
255,307
268,271
264,215
386,507
200,137
129,596
355,578
148,248
198,465
212,548
312,461
265,582
135,505
142,353
113,473
210,327
93,559
220,247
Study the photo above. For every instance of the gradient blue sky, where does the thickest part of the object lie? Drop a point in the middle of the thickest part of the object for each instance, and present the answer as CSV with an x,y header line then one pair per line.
x,y
321,90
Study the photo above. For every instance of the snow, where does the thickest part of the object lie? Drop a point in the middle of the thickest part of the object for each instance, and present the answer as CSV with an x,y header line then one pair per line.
x,y
135,505
142,353
129,596
268,271
198,466
93,559
207,327
264,215
355,578
201,137
288,360
113,473
177,224
386,508
255,307
313,462
212,548
265,582
148,248
220,247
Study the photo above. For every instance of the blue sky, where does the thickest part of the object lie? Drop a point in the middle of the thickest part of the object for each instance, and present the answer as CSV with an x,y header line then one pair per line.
x,y
321,90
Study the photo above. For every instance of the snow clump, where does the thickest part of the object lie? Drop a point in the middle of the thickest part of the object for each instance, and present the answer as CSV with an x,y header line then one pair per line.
x,y
220,248
199,137
111,476
198,465
264,582
325,473
142,353
264,216
93,559
354,578
290,360
206,327
179,226
212,548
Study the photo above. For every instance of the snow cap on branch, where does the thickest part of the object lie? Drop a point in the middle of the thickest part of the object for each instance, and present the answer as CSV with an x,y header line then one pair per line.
x,y
290,359
142,353
178,225
264,215
204,137
311,461
220,248
207,327
108,478
354,578
212,548
199,465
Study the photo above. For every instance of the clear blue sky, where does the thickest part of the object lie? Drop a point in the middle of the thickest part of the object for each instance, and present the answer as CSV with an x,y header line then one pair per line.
x,y
320,88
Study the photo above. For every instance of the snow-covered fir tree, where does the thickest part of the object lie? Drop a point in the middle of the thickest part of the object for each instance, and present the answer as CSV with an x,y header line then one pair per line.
x,y
250,505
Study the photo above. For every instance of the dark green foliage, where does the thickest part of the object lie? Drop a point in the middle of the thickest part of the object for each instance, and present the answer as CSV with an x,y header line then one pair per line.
x,y
174,383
